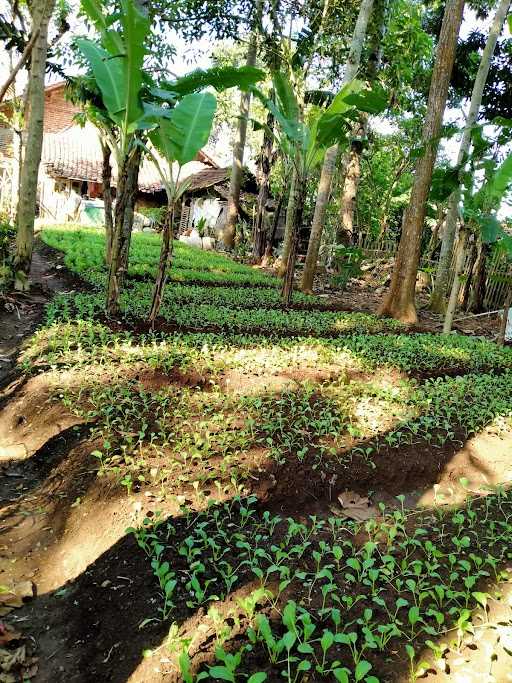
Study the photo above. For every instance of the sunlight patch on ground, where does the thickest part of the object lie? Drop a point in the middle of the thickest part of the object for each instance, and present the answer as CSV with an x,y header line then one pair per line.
x,y
482,463
482,653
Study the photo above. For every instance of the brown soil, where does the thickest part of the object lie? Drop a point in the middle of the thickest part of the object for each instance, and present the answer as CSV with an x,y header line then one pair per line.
x,y
367,292
20,312
63,527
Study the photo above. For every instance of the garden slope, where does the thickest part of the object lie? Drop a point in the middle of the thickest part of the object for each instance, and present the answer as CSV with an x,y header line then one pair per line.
x,y
232,429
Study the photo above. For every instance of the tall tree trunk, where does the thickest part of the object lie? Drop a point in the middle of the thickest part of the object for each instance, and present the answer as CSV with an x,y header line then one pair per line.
x,y
126,193
345,231
41,11
454,294
478,278
298,210
164,264
326,175
229,231
271,236
437,301
106,179
399,302
288,227
259,234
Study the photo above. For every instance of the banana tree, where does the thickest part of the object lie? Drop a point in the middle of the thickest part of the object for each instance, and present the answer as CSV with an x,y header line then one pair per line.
x,y
116,61
178,137
304,146
179,120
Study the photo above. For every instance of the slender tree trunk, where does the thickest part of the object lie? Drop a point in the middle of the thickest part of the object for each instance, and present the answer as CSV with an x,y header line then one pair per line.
x,y
454,294
317,226
352,165
229,231
345,232
383,223
106,179
503,326
164,264
126,193
437,301
288,227
466,285
287,288
41,11
270,238
259,235
438,296
478,278
435,233
21,62
326,175
399,302
17,166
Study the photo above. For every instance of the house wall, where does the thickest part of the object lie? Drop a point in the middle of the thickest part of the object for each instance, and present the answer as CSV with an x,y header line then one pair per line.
x,y
58,113
55,197
69,151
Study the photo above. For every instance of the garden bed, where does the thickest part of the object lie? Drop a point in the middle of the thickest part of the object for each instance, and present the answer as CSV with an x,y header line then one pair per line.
x,y
225,451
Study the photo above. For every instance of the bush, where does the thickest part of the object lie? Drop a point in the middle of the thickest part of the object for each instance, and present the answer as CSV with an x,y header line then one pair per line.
x,y
7,237
155,214
347,261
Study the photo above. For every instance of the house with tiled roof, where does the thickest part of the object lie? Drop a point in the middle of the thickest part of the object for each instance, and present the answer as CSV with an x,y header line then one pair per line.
x,y
71,168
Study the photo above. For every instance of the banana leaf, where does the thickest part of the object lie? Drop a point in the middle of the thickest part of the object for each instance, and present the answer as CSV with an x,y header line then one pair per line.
x,y
219,77
109,75
181,135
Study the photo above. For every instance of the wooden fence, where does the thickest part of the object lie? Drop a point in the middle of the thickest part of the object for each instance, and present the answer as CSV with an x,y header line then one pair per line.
x,y
498,269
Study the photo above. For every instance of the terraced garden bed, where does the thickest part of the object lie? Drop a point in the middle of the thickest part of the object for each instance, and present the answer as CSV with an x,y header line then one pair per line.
x,y
181,500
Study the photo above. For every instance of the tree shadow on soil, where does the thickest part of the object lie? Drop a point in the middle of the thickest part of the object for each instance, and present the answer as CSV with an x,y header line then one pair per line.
x,y
90,629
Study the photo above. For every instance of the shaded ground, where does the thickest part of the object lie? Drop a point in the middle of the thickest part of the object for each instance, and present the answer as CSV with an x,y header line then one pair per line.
x,y
367,292
20,312
63,527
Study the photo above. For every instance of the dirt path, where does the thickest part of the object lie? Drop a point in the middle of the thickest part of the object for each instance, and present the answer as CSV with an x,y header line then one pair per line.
x,y
20,313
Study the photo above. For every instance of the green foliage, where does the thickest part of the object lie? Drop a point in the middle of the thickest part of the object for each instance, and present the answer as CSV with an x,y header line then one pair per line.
x,y
84,255
117,63
347,262
155,213
444,182
405,587
408,52
219,77
491,194
7,237
182,132
322,601
304,146
386,180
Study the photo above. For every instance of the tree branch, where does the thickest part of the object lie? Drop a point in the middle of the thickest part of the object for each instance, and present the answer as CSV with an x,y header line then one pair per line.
x,y
21,62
